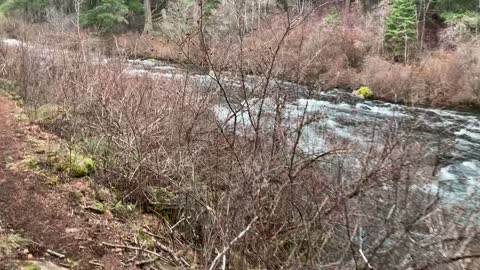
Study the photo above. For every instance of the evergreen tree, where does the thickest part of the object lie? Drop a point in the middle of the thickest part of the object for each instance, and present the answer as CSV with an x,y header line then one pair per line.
x,y
456,6
400,29
104,14
31,10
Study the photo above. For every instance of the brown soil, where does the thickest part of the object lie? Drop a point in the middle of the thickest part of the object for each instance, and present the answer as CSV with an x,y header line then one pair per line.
x,y
51,216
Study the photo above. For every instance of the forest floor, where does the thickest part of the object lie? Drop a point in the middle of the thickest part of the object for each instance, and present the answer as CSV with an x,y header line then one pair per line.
x,y
39,220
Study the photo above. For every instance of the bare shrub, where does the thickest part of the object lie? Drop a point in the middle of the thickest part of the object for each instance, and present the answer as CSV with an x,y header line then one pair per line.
x,y
392,81
238,188
442,78
469,60
144,46
317,51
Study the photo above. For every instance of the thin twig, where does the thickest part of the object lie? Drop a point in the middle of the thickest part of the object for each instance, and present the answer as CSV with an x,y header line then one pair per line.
x,y
231,243
148,261
168,250
132,248
56,254
96,264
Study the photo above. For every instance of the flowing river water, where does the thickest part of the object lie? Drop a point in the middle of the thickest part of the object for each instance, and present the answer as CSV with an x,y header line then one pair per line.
x,y
453,137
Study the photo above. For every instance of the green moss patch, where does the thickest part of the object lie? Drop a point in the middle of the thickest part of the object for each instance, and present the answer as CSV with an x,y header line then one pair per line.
x,y
45,265
100,207
50,162
21,117
7,86
32,266
363,92
123,210
47,114
161,202
9,89
76,165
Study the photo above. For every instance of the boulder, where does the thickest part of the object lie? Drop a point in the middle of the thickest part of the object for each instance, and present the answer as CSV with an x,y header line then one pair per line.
x,y
363,92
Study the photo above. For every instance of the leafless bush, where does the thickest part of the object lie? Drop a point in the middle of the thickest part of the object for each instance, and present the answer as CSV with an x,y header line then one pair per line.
x,y
240,190
391,81
443,78
142,46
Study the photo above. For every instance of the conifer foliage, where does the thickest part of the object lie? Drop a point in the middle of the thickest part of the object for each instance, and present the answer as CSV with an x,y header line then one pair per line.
x,y
401,30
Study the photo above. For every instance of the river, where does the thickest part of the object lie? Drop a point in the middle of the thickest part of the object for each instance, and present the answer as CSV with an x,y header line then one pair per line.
x,y
452,137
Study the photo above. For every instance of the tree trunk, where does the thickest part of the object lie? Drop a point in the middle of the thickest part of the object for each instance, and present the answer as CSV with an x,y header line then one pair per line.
x,y
148,17
347,6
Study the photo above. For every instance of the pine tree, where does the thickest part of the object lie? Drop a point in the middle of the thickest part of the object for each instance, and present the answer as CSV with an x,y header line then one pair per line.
x,y
106,13
31,10
400,29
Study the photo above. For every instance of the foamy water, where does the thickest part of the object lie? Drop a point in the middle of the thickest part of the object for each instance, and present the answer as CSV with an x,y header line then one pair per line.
x,y
343,118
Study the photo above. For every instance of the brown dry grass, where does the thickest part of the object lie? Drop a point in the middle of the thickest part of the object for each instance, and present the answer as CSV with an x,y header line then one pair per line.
x,y
315,52
443,78
147,46
324,54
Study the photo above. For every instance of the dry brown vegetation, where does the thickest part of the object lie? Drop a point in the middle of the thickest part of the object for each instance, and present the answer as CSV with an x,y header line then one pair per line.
x,y
239,191
333,54
325,52
441,79
246,196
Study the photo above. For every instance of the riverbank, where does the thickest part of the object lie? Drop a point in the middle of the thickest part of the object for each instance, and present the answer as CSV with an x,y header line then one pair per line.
x,y
330,56
441,79
250,171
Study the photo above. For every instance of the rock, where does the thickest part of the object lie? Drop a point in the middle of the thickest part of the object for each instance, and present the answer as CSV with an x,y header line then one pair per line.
x,y
363,92
7,86
103,194
21,117
75,164
37,265
82,167
98,208
72,230
123,210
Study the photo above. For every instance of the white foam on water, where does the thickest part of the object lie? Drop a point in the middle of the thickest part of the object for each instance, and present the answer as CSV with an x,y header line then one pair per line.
x,y
468,133
169,68
473,165
153,75
226,117
320,105
445,174
311,142
391,111
221,112
445,113
462,182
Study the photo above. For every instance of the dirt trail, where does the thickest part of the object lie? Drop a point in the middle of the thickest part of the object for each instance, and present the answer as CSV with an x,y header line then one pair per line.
x,y
51,217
